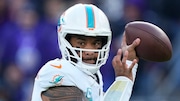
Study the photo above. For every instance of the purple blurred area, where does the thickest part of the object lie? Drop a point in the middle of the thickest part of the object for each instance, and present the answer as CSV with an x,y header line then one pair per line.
x,y
28,39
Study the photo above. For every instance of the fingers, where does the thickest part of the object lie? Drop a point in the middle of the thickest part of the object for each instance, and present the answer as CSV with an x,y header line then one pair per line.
x,y
125,56
133,64
135,43
116,59
124,40
121,67
119,52
124,45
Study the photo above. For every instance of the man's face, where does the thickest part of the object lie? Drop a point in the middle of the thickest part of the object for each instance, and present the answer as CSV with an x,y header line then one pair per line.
x,y
86,42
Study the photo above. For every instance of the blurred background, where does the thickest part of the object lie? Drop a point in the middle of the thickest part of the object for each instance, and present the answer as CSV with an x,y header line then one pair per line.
x,y
28,39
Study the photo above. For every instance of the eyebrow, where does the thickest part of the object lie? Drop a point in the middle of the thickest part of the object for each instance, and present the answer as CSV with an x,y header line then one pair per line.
x,y
95,38
80,37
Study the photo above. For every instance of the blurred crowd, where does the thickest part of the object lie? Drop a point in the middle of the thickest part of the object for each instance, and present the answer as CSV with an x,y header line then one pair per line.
x,y
28,39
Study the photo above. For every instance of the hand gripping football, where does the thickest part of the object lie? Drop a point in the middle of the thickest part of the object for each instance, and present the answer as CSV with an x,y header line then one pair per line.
x,y
155,44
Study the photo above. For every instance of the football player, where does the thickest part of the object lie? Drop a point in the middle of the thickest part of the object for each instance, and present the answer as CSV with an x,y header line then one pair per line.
x,y
84,37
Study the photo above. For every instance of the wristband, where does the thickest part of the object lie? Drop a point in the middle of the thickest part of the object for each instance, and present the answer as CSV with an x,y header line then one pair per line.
x,y
120,90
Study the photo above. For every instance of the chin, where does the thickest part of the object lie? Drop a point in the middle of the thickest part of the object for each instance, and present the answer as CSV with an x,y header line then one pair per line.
x,y
89,62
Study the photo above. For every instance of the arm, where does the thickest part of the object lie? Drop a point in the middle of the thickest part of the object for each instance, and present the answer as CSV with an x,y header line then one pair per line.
x,y
125,62
125,71
63,93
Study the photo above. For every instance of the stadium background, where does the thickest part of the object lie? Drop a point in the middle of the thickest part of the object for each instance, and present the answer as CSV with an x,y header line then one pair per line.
x,y
28,39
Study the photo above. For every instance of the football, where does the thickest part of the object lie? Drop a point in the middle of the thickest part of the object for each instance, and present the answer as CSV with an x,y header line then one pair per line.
x,y
155,44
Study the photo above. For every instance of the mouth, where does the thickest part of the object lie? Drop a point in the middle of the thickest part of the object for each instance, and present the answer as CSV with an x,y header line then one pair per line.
x,y
89,60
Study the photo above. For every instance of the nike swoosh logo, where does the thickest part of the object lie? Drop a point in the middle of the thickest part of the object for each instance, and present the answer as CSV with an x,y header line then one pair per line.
x,y
57,66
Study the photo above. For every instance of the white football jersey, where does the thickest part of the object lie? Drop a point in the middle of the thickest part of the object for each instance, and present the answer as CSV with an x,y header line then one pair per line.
x,y
61,72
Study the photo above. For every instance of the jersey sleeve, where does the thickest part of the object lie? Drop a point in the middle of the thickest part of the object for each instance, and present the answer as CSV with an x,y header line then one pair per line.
x,y
49,75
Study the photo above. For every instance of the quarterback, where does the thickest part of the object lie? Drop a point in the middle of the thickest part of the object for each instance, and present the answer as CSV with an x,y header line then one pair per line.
x,y
84,38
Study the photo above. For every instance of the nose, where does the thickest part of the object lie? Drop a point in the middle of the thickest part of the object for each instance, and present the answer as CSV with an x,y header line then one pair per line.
x,y
89,53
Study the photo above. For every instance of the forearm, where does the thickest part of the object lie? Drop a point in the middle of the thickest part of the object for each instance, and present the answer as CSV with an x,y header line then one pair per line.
x,y
63,93
121,89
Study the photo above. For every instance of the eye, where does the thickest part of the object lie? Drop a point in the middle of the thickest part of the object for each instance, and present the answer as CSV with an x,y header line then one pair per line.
x,y
98,44
80,44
